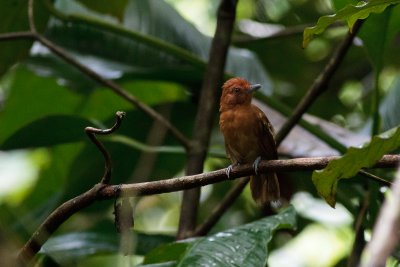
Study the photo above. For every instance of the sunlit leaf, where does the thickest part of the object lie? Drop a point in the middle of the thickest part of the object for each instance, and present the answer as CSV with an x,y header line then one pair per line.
x,y
246,245
355,159
350,13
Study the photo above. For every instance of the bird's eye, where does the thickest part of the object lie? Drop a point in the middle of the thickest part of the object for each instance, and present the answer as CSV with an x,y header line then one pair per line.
x,y
236,90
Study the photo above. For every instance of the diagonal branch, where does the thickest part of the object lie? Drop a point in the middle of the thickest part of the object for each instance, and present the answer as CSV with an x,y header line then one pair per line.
x,y
115,88
320,83
33,34
104,191
67,209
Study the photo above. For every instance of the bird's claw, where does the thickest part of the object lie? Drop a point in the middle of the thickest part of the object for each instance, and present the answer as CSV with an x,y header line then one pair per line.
x,y
230,168
256,163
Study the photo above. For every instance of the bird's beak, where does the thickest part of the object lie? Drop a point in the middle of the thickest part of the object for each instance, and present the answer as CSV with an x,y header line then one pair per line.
x,y
254,87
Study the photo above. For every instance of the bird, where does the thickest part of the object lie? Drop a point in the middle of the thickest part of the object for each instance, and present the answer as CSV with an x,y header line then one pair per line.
x,y
249,137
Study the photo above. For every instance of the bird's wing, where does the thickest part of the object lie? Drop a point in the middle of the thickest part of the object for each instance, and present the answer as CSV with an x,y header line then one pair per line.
x,y
267,141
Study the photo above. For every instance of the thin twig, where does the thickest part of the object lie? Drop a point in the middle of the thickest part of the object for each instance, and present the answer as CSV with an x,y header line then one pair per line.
x,y
91,132
203,125
115,88
90,73
31,18
320,84
17,35
103,191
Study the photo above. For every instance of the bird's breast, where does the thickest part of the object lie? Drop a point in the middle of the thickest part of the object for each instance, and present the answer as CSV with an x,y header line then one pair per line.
x,y
239,128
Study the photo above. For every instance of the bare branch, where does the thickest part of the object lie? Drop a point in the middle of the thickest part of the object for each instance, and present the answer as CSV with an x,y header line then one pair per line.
x,y
91,132
103,191
108,83
320,84
209,95
116,88
31,17
17,35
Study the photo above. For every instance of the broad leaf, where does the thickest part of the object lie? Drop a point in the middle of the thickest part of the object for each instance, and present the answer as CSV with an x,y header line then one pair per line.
x,y
153,37
350,14
246,245
355,159
48,131
14,18
69,248
32,97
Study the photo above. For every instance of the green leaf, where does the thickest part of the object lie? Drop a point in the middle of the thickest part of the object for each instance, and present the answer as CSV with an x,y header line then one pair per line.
x,y
153,38
48,131
246,245
33,97
354,160
169,252
115,8
69,248
14,18
350,13
66,249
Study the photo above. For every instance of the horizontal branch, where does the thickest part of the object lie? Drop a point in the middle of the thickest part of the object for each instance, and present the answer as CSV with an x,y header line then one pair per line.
x,y
102,191
192,181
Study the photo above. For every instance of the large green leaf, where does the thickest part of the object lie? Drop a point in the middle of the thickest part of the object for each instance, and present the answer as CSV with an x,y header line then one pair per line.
x,y
32,97
355,159
14,18
350,13
69,248
143,42
48,131
246,245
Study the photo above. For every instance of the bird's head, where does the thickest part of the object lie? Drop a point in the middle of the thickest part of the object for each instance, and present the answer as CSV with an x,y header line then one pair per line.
x,y
235,92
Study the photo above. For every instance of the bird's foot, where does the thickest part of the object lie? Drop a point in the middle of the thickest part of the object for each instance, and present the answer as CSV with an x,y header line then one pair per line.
x,y
256,163
230,168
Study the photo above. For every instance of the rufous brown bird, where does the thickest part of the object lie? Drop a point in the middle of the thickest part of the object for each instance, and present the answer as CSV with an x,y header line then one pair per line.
x,y
249,137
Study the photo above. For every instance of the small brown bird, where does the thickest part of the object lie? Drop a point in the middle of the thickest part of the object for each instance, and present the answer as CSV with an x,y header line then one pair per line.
x,y
249,137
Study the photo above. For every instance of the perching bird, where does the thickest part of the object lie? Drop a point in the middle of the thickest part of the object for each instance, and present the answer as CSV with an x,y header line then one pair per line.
x,y
249,137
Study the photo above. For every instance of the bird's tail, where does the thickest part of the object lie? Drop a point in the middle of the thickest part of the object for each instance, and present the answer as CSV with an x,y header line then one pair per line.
x,y
265,188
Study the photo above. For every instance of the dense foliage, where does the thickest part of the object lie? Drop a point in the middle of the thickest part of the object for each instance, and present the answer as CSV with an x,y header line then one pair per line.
x,y
157,50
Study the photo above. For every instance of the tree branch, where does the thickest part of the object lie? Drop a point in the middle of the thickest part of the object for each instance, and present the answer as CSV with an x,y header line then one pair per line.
x,y
104,191
320,84
115,88
31,18
91,133
210,91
